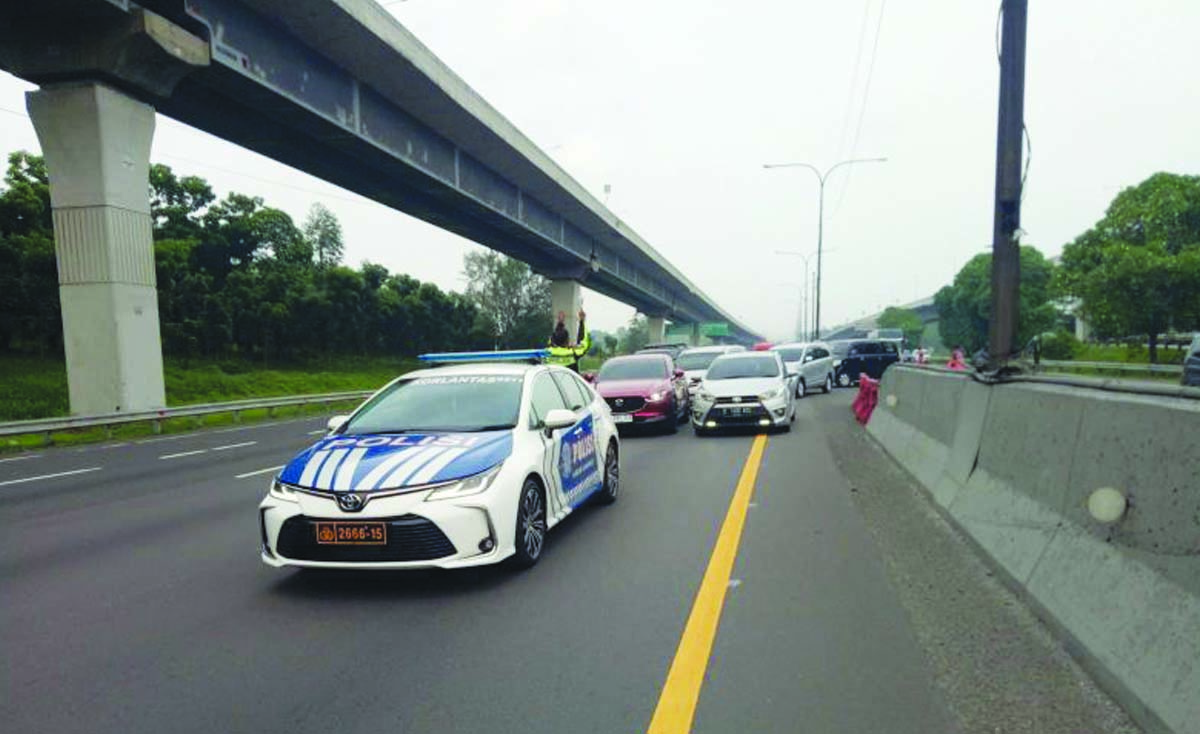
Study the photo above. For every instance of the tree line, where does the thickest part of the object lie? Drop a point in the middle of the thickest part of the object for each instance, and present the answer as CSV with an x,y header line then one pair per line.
x,y
1133,276
240,279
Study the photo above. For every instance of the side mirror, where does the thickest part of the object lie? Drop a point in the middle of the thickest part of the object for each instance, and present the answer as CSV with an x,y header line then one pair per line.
x,y
808,358
679,372
336,422
589,378
559,418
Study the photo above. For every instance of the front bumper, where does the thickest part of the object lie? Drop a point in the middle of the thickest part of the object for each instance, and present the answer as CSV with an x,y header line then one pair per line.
x,y
445,534
649,413
760,414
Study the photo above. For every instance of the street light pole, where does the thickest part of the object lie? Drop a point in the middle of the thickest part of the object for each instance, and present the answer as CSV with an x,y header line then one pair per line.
x,y
805,292
821,178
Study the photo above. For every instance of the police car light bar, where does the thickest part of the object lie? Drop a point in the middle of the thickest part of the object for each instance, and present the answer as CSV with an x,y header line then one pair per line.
x,y
511,355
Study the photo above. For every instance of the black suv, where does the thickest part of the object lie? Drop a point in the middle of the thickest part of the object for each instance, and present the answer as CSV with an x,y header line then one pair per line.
x,y
862,356
671,350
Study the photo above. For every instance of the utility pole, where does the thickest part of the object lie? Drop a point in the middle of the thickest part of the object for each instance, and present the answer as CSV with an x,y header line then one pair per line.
x,y
1006,252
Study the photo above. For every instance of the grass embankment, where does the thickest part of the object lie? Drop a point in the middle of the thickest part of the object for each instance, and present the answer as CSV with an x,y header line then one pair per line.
x,y
32,387
1130,354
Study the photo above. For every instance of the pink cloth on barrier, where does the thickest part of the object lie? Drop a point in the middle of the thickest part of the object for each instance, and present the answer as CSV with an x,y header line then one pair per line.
x,y
867,398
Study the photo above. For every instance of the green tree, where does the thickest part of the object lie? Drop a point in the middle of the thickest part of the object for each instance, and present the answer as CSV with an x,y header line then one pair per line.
x,y
513,301
324,235
906,320
1137,271
611,343
176,204
964,307
633,336
29,306
237,278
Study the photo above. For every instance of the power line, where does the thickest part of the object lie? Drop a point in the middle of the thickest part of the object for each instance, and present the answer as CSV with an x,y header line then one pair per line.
x,y
862,112
862,33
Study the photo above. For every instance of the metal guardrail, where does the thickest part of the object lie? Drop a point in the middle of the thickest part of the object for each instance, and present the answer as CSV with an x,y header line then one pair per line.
x,y
49,426
1158,369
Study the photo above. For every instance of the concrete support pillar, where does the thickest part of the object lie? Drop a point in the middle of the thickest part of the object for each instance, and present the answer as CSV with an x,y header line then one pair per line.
x,y
1083,331
658,329
566,296
695,335
96,142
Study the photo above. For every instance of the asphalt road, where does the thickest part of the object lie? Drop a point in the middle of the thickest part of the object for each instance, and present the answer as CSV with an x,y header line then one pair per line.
x,y
132,600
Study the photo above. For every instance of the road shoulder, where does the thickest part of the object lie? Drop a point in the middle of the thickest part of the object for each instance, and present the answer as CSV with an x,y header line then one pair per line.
x,y
999,667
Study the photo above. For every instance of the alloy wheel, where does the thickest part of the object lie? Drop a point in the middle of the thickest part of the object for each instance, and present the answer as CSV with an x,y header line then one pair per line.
x,y
533,521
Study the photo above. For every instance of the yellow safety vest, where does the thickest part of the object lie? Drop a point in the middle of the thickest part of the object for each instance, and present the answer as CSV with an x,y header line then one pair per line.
x,y
567,356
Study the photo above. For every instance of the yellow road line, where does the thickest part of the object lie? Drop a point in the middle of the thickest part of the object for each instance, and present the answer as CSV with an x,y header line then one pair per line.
x,y
677,703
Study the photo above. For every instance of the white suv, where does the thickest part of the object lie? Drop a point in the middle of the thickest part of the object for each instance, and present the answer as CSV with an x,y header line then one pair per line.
x,y
695,361
809,364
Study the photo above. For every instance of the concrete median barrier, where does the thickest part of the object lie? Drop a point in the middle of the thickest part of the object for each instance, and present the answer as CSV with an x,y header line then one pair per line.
x,y
1014,466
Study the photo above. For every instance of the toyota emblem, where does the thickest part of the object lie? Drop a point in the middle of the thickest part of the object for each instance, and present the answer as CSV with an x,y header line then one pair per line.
x,y
351,502
618,402
737,400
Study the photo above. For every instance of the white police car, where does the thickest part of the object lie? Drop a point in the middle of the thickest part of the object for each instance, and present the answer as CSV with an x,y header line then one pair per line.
x,y
453,466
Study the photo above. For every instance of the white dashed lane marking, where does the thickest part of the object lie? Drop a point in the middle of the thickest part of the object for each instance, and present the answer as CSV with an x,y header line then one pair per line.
x,y
50,476
19,458
260,471
235,446
182,454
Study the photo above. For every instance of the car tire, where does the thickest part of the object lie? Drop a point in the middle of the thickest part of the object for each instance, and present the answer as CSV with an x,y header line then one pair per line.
x,y
612,477
844,380
530,534
671,424
801,389
827,387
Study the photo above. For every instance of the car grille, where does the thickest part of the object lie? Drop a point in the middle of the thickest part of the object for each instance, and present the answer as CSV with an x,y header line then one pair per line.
x,y
409,538
625,405
739,399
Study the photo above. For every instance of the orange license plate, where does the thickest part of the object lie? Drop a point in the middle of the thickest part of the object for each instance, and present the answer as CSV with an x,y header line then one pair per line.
x,y
351,533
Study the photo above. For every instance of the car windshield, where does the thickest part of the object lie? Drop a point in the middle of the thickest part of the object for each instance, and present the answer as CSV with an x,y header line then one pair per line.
x,y
732,369
696,360
632,369
791,354
442,403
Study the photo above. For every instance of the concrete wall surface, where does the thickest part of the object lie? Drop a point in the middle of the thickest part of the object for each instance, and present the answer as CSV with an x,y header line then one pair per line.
x,y
1013,466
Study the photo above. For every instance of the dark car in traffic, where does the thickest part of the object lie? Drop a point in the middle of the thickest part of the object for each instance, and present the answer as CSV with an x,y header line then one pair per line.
x,y
671,350
868,357
644,389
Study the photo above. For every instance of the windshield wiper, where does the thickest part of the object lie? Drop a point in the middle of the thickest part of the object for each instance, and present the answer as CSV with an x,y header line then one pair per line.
x,y
493,427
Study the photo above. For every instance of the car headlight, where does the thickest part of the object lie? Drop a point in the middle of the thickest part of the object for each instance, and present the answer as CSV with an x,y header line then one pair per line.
x,y
771,394
705,395
465,487
655,397
281,491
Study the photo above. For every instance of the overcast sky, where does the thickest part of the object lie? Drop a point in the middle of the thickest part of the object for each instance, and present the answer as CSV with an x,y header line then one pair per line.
x,y
676,105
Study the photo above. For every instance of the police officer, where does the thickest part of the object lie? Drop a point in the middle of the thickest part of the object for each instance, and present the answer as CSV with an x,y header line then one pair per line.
x,y
570,354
